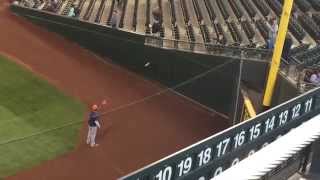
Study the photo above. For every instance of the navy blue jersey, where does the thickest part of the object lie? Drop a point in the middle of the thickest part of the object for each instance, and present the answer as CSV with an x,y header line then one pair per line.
x,y
93,117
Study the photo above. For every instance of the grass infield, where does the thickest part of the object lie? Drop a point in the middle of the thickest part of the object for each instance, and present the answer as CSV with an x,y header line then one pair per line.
x,y
29,105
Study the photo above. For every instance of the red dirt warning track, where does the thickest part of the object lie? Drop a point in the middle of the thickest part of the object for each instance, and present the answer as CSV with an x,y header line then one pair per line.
x,y
131,137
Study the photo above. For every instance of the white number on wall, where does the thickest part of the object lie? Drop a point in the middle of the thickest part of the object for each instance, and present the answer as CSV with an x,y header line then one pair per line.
x,y
165,174
255,131
204,156
283,117
269,124
308,105
296,111
222,147
185,166
239,139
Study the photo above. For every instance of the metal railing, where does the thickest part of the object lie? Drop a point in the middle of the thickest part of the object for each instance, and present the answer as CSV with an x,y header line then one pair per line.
x,y
211,49
296,72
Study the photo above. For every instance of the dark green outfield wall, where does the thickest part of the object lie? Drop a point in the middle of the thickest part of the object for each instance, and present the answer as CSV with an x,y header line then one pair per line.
x,y
284,90
216,90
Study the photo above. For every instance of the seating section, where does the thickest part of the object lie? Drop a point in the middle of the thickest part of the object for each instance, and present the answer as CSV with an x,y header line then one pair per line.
x,y
263,28
248,29
248,6
296,29
237,11
316,18
235,32
315,4
303,5
100,11
223,9
231,22
309,57
299,49
262,6
276,6
310,26
210,10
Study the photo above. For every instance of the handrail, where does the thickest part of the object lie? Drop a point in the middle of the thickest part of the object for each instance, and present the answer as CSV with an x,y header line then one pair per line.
x,y
209,48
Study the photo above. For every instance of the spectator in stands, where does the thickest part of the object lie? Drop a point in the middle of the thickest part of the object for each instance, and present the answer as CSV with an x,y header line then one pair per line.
x,y
156,26
114,19
286,48
53,5
28,3
220,38
76,10
16,2
72,11
273,33
314,78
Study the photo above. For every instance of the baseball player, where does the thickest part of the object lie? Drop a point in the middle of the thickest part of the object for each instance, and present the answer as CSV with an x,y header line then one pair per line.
x,y
94,124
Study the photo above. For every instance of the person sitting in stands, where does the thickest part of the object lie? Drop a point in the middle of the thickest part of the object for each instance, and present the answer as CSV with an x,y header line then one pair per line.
x,y
114,19
76,10
28,3
16,2
272,35
286,48
314,78
156,26
72,12
55,4
220,38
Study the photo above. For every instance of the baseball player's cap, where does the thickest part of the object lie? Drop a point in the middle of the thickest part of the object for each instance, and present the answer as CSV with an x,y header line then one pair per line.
x,y
94,107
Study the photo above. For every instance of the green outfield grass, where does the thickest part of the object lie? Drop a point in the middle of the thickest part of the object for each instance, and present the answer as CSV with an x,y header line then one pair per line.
x,y
29,105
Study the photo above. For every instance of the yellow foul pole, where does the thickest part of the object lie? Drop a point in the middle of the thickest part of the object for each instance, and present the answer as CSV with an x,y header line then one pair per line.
x,y
276,57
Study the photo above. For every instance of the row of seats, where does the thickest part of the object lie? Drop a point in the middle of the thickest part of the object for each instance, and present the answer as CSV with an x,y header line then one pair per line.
x,y
113,3
296,29
203,27
190,30
234,32
237,11
223,9
100,11
309,57
310,26
176,34
276,6
315,4
211,12
89,10
148,30
263,28
248,6
248,29
302,48
316,18
262,6
135,14
123,12
303,5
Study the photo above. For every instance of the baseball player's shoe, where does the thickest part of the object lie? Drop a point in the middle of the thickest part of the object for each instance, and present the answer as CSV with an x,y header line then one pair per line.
x,y
94,145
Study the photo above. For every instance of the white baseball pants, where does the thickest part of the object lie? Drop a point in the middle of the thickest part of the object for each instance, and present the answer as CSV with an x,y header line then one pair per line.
x,y
91,138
